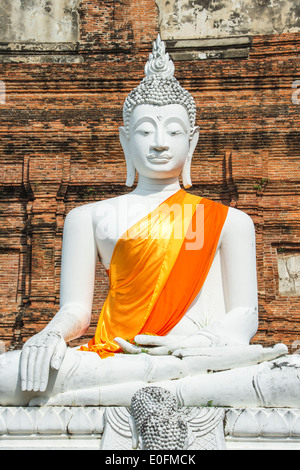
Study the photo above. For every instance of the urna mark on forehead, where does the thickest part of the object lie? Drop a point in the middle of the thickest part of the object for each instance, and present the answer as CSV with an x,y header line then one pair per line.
x,y
159,87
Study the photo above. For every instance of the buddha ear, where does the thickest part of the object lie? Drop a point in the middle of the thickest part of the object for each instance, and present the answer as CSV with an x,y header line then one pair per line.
x,y
194,139
129,165
186,171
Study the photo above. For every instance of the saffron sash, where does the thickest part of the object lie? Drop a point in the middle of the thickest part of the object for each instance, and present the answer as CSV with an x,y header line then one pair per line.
x,y
157,269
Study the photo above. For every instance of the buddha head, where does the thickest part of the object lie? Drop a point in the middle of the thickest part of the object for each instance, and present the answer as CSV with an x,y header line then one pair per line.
x,y
155,420
159,135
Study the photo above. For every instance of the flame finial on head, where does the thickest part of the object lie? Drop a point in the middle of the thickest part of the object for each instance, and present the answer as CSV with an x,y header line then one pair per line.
x,y
159,62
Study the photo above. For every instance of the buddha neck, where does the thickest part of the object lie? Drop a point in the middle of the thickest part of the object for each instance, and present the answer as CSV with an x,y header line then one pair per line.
x,y
156,187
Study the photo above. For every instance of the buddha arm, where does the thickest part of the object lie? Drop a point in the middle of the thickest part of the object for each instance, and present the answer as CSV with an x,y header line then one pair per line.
x,y
47,349
79,256
238,265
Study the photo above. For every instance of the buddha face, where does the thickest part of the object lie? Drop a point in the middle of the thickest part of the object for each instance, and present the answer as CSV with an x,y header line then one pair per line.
x,y
160,140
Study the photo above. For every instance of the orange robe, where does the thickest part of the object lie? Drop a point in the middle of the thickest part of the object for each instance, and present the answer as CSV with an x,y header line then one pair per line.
x,y
157,269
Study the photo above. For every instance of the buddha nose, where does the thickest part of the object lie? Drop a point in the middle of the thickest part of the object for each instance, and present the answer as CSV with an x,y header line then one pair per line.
x,y
160,148
159,143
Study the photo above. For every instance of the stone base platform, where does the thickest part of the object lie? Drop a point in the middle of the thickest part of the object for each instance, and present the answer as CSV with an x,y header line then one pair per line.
x,y
95,428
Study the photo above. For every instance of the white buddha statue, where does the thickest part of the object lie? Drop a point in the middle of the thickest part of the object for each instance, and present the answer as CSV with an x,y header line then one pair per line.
x,y
182,283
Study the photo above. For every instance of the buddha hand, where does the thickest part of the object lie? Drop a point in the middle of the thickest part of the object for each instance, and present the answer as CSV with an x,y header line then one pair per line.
x,y
42,351
162,345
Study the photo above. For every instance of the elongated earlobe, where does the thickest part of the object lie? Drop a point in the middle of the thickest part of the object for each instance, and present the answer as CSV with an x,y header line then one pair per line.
x,y
186,171
130,172
129,165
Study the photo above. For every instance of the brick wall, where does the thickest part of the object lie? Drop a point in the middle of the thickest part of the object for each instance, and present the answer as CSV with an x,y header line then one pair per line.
x,y
59,148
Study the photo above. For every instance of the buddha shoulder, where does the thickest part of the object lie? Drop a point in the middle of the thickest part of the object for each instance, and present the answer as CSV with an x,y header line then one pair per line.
x,y
238,224
92,213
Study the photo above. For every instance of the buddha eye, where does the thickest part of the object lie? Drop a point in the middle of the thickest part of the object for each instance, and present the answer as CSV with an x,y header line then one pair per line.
x,y
174,130
144,131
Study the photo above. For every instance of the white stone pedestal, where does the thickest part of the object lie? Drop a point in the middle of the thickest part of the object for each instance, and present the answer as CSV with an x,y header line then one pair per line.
x,y
70,428
262,429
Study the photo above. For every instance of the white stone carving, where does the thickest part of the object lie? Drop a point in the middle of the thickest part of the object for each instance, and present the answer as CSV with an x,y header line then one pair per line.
x,y
117,433
68,376
159,62
83,427
50,427
46,372
159,87
207,428
199,428
263,428
156,420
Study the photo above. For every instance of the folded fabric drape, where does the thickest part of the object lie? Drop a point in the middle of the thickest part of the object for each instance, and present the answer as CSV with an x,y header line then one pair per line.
x,y
157,269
